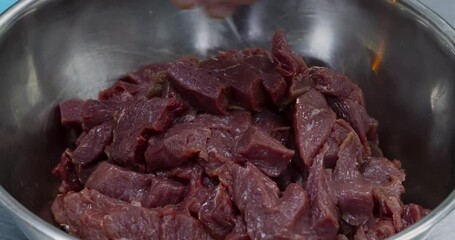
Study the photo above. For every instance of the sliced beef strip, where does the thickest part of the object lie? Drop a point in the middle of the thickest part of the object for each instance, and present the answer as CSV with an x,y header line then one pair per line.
x,y
387,177
239,231
323,203
71,113
209,139
340,132
212,140
67,171
354,193
266,215
145,83
91,146
292,174
224,133
254,64
70,206
145,189
217,213
244,83
146,74
275,125
274,83
180,226
130,222
197,192
95,112
91,214
413,213
313,123
179,144
135,126
220,150
378,229
336,85
290,65
236,121
346,99
355,114
265,152
123,91
202,89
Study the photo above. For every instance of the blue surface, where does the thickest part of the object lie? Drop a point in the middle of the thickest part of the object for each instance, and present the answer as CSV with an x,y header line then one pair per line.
x,y
4,4
446,8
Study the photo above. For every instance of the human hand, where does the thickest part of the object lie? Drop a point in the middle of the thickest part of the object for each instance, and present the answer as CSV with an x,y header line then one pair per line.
x,y
214,8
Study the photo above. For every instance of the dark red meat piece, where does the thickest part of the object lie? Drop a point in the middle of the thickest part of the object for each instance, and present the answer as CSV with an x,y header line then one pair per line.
x,y
147,73
91,215
70,207
274,83
313,122
244,83
323,203
340,132
146,189
91,146
354,193
135,125
379,229
179,144
290,65
266,215
96,112
71,113
275,125
413,213
202,89
345,98
67,171
217,213
265,152
123,91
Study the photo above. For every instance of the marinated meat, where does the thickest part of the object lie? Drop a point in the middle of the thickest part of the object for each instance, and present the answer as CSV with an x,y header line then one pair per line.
x,y
346,99
261,149
70,113
267,216
181,143
217,213
275,125
290,65
202,89
91,145
248,144
91,215
313,123
323,202
135,125
145,189
354,193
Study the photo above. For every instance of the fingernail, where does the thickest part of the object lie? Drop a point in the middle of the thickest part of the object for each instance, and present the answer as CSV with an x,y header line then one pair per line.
x,y
220,10
185,4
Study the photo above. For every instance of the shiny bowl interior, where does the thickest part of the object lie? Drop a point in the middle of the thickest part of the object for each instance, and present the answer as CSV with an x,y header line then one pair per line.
x,y
401,54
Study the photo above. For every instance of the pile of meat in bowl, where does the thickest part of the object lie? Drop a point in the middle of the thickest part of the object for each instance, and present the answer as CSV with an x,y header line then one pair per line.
x,y
249,144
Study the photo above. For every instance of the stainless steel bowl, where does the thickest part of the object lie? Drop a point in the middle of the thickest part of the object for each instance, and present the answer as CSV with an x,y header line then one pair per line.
x,y
399,52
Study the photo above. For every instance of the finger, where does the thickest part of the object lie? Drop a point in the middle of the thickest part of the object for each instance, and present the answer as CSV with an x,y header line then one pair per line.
x,y
185,4
220,10
233,2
